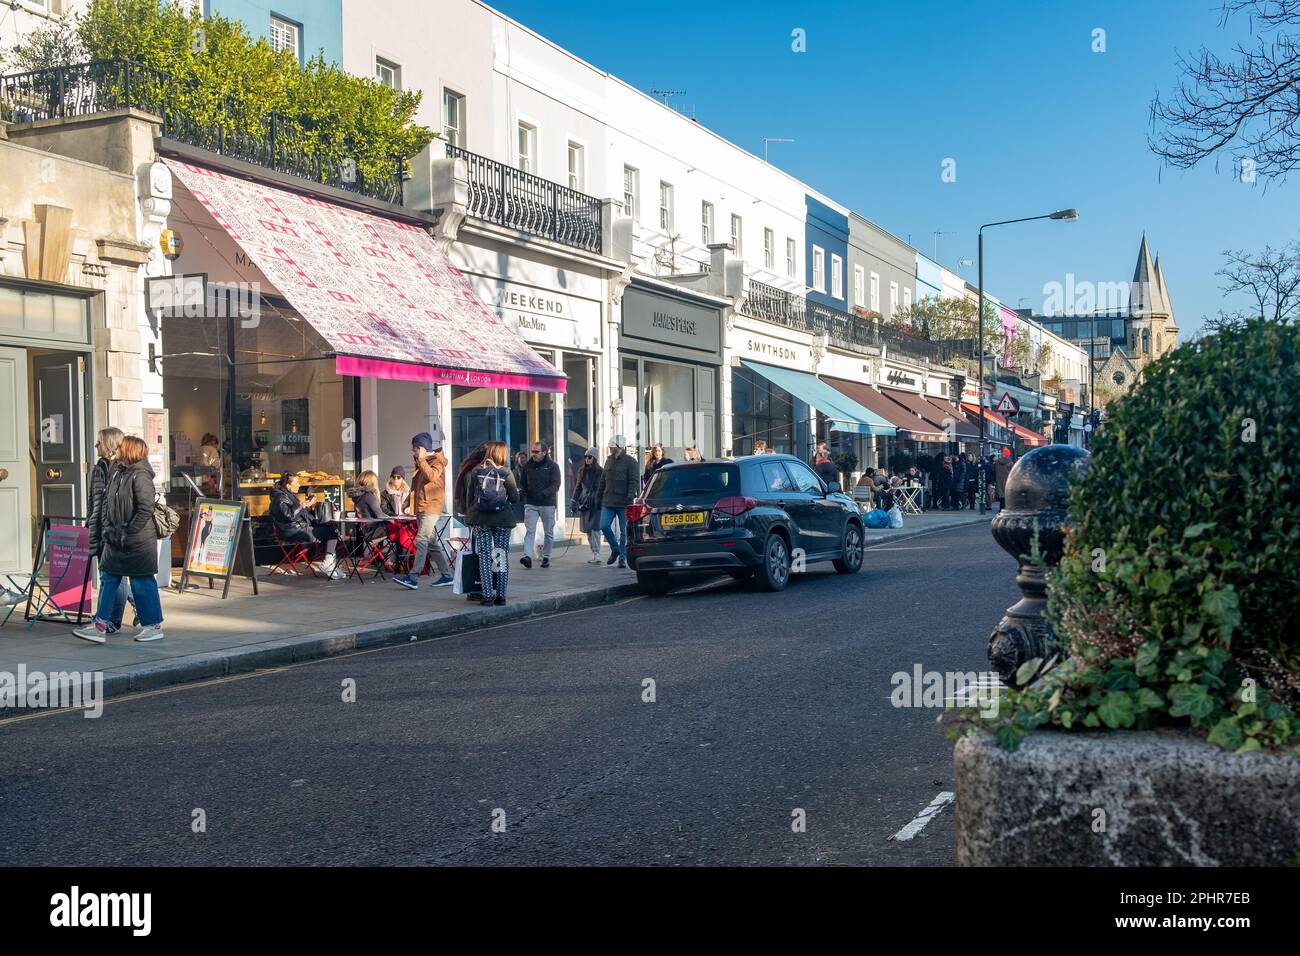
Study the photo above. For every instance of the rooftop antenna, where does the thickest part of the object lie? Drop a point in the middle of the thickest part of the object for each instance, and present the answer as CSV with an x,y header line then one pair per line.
x,y
937,234
665,95
773,139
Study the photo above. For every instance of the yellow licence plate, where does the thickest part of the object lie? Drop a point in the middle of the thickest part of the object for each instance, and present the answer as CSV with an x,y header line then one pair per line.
x,y
676,520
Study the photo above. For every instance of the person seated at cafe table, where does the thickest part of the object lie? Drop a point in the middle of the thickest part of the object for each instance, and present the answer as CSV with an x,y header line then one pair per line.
x,y
365,498
295,523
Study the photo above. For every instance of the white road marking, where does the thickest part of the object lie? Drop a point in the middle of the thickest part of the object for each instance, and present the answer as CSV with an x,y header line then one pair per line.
x,y
924,817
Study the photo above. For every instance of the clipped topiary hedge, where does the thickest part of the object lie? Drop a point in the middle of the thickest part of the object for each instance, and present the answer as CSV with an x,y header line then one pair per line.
x,y
1178,595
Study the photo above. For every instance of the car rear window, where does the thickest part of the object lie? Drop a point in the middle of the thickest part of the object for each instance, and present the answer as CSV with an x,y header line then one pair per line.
x,y
693,484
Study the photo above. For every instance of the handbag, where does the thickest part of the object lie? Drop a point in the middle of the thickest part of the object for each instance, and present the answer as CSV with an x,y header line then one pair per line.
x,y
165,519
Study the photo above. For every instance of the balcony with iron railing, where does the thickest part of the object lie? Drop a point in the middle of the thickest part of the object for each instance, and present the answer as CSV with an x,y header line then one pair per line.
x,y
271,140
843,329
512,198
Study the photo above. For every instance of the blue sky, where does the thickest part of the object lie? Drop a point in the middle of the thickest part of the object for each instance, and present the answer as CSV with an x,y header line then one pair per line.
x,y
1012,91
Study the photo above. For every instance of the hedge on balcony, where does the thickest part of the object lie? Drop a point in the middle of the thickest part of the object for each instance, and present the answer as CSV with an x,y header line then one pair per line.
x,y
220,79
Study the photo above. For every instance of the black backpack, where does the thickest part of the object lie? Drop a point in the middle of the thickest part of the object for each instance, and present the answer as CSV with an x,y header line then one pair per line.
x,y
490,489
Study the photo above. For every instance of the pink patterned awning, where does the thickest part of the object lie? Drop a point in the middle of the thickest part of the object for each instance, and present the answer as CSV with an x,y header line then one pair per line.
x,y
386,300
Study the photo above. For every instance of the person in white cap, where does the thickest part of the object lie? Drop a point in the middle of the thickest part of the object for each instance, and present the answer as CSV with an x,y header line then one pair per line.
x,y
619,483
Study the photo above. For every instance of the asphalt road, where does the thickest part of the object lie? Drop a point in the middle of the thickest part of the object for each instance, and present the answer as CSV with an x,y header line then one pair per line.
x,y
764,705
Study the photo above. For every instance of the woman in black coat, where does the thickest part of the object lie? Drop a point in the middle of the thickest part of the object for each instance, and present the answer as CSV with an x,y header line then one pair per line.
x,y
107,443
295,523
125,526
586,501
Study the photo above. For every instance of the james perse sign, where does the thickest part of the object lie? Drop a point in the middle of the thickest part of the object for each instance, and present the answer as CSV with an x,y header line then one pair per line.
x,y
670,324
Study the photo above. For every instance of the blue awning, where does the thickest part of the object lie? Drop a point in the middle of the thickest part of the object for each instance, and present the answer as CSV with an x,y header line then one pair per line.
x,y
844,413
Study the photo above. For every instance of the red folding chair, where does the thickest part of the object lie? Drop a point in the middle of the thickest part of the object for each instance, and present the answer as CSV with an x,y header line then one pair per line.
x,y
293,557
379,553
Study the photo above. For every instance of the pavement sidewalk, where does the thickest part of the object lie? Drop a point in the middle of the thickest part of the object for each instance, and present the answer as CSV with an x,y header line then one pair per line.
x,y
298,619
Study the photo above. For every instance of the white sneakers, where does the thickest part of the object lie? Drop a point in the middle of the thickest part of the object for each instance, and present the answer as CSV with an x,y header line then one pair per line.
x,y
152,632
97,633
595,559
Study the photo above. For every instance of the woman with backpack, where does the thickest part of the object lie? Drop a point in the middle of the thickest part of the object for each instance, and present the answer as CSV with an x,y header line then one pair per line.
x,y
124,523
490,493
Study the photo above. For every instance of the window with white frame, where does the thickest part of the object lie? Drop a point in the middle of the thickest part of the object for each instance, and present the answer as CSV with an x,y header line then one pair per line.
x,y
631,179
769,249
666,207
791,256
875,292
893,298
737,235
388,73
453,118
837,277
285,35
907,298
819,269
859,286
527,147
706,223
577,165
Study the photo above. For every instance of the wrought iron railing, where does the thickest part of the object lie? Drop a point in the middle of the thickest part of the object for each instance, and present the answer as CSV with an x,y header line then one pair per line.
x,y
844,329
518,200
271,140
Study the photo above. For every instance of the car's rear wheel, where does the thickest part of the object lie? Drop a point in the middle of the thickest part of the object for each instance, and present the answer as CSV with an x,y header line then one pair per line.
x,y
653,583
773,574
850,559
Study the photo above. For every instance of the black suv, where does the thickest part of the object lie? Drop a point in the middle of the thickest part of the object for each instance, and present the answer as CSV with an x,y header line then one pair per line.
x,y
747,517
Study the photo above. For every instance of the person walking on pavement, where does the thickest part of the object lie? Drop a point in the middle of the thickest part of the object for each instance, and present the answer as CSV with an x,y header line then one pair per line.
x,y
939,483
823,465
1001,470
428,496
490,492
655,459
107,443
125,525
586,501
958,482
619,483
972,480
540,488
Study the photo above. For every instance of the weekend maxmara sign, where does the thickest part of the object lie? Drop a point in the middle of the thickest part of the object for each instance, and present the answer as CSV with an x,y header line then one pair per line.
x,y
544,316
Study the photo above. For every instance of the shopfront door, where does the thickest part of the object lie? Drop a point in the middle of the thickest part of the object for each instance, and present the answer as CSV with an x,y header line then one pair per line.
x,y
15,465
61,451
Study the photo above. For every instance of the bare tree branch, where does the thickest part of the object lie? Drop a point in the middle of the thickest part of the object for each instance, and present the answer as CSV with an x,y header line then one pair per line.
x,y
1249,102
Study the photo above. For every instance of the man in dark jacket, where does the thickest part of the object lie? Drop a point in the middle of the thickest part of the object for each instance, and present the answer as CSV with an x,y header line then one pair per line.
x,y
940,483
619,483
958,482
540,487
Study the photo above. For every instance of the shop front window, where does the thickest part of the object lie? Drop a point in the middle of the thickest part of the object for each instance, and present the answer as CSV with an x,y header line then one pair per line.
x,y
292,412
762,411
498,414
579,418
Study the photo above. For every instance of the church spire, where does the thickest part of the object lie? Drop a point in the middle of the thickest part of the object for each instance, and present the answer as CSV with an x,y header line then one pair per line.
x,y
1144,290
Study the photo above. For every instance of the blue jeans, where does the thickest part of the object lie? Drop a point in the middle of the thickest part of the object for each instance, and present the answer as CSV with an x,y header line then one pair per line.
x,y
607,518
114,620
145,592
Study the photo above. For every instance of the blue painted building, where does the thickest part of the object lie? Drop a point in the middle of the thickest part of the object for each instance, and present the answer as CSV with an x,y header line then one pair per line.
x,y
826,252
305,26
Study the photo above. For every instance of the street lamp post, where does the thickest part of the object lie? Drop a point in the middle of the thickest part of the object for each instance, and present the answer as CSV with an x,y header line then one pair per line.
x,y
1067,215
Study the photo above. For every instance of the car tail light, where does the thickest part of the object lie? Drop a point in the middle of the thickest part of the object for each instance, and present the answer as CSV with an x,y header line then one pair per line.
x,y
636,511
736,505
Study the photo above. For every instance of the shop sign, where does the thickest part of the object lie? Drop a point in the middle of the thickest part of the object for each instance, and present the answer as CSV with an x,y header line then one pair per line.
x,y
551,318
773,351
897,378
669,321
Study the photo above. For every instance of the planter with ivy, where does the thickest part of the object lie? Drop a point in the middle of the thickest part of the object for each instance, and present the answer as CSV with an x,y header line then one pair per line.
x,y
1170,731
